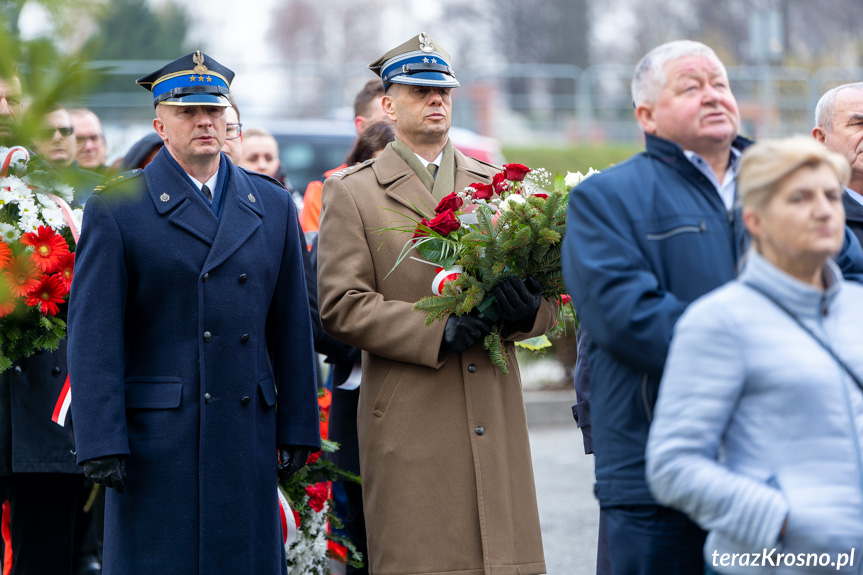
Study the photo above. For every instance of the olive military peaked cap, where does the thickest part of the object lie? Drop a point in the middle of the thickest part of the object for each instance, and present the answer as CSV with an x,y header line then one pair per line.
x,y
417,62
193,80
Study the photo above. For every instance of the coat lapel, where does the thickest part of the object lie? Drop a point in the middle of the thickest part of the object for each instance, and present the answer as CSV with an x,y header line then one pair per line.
x,y
173,194
402,184
241,216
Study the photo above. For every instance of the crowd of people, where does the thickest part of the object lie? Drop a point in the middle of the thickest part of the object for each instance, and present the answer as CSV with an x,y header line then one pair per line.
x,y
719,377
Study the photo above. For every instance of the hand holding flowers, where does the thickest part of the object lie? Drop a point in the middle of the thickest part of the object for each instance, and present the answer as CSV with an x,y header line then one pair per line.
x,y
489,238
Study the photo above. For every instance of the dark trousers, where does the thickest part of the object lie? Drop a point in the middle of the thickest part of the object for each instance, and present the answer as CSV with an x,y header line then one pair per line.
x,y
653,540
43,508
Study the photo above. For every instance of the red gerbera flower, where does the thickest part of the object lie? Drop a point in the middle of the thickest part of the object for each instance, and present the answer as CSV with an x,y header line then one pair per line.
x,y
49,293
21,275
5,254
48,248
8,301
66,269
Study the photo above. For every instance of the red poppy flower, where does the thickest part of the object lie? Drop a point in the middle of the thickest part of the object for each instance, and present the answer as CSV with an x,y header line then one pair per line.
x,y
49,293
515,172
444,223
499,183
450,202
48,248
8,301
5,254
21,275
66,270
482,191
318,495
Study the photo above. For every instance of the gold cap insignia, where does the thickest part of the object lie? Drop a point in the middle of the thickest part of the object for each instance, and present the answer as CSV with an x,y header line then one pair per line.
x,y
164,197
251,198
426,43
198,59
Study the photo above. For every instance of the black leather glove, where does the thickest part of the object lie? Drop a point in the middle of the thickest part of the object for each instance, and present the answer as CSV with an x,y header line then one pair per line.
x,y
109,471
292,458
517,301
462,331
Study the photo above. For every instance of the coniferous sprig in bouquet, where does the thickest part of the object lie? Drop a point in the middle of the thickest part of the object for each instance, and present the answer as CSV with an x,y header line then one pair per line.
x,y
36,255
488,232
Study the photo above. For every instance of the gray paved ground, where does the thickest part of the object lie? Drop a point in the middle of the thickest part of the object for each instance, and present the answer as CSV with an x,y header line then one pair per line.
x,y
568,511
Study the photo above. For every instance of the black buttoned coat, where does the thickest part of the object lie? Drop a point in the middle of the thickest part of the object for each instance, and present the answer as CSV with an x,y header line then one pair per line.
x,y
190,349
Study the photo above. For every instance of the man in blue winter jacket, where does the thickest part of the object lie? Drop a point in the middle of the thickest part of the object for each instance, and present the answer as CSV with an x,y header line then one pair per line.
x,y
644,239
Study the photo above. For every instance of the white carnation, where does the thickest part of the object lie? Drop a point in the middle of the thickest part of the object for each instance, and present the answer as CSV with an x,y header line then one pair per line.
x,y
572,179
509,200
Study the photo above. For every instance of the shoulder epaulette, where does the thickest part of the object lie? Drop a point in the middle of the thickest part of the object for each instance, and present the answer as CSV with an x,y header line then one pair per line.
x,y
352,169
118,179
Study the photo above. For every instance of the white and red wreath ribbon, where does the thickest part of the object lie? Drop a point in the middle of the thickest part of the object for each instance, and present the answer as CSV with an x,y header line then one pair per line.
x,y
13,154
289,524
443,276
61,408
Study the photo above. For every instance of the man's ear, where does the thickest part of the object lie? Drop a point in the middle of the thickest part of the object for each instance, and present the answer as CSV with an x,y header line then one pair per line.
x,y
819,133
160,129
645,117
389,106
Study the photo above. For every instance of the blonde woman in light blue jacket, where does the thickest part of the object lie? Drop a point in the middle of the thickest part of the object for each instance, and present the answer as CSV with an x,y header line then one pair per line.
x,y
758,428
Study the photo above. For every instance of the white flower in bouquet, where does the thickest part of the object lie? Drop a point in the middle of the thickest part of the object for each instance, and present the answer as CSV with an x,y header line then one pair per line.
x,y
27,209
572,179
30,225
6,198
78,217
9,233
507,202
65,192
17,188
54,217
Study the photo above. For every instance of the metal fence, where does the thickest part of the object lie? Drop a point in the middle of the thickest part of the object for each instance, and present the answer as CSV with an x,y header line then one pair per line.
x,y
552,104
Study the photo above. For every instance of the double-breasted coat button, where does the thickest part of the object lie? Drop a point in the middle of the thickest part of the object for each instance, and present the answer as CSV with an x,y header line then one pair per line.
x,y
480,430
55,371
206,277
17,370
471,368
243,278
208,336
246,400
245,338
208,398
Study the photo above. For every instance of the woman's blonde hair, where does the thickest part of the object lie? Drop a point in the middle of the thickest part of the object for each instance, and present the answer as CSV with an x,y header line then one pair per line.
x,y
765,164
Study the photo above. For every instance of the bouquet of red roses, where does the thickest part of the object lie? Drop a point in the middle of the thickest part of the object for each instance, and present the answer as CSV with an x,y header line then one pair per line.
x,y
38,231
488,232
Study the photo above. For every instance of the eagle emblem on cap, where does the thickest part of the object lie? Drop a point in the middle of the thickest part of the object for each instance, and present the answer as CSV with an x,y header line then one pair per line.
x,y
198,59
426,43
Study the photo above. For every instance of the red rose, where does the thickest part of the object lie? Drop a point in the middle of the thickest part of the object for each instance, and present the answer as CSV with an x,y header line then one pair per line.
x,y
482,191
565,299
313,457
543,196
444,223
515,172
318,495
451,202
499,182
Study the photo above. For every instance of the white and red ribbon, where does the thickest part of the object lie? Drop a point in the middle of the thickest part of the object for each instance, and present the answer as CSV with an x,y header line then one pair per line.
x,y
61,408
289,524
20,151
67,215
444,276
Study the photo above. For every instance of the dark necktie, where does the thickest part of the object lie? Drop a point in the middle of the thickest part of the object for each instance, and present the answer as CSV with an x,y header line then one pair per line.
x,y
207,193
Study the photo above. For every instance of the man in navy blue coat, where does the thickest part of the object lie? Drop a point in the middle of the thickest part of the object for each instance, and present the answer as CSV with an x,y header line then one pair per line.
x,y
190,346
644,239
